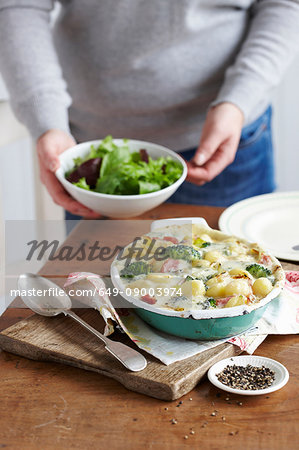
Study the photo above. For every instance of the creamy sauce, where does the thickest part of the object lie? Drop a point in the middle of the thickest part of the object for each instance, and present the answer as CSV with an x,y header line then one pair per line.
x,y
201,269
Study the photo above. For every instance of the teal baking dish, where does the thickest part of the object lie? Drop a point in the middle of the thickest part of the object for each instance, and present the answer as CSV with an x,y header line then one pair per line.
x,y
198,324
202,329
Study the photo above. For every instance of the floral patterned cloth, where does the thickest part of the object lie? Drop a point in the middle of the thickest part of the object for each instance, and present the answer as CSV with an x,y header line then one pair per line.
x,y
281,317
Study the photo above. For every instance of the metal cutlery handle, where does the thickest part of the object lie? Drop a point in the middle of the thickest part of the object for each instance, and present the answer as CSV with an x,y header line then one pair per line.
x,y
129,357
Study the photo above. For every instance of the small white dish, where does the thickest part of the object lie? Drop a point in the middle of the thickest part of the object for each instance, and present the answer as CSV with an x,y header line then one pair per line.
x,y
270,219
118,206
281,373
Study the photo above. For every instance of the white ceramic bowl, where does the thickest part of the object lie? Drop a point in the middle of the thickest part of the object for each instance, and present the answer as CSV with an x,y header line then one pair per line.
x,y
120,206
281,373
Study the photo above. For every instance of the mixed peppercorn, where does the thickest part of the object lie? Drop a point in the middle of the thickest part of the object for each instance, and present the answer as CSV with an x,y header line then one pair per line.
x,y
246,377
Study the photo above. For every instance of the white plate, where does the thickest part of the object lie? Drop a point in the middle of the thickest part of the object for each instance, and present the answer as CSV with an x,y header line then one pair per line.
x,y
271,220
281,373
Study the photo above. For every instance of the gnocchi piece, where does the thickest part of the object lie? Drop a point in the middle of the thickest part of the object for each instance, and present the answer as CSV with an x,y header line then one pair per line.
x,y
214,256
236,287
193,288
235,249
198,288
216,290
202,263
216,266
238,249
236,300
238,271
186,289
262,286
222,277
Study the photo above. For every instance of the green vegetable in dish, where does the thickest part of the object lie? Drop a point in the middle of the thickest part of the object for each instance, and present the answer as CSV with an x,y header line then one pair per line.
x,y
182,252
113,169
258,271
82,184
189,278
202,278
212,302
201,243
134,269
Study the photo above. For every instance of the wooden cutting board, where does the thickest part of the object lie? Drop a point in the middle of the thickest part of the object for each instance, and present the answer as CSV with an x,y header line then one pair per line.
x,y
59,339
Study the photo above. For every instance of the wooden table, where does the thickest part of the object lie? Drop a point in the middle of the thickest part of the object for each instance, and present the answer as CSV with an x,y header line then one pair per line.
x,y
46,405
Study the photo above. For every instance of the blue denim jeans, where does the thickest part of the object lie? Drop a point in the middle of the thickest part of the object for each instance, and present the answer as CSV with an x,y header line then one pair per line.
x,y
251,173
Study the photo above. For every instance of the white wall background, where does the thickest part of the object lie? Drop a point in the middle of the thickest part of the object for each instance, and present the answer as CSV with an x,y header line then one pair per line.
x,y
286,130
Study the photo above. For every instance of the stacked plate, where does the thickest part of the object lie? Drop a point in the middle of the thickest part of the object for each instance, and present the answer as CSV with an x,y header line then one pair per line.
x,y
272,220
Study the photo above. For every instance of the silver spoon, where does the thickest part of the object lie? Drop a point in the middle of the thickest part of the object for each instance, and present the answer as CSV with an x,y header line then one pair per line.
x,y
51,304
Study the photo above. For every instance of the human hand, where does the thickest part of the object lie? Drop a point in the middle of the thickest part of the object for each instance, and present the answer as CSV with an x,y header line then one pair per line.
x,y
49,146
218,144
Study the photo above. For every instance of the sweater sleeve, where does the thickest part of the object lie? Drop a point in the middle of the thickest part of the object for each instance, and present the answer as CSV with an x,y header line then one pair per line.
x,y
270,46
30,66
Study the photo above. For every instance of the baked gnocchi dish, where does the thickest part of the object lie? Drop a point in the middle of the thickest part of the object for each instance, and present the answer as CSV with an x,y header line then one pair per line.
x,y
192,267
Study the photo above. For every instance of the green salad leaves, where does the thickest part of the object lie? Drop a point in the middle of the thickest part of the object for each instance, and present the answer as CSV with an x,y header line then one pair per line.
x,y
113,169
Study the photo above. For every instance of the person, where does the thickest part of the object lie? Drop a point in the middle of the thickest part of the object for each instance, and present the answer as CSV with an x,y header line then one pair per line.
x,y
176,72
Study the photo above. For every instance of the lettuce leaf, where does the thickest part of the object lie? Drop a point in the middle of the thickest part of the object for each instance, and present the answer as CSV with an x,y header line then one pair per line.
x,y
82,184
107,145
146,186
114,159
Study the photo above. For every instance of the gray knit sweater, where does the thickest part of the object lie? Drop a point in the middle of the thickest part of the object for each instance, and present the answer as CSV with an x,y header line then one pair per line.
x,y
145,69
